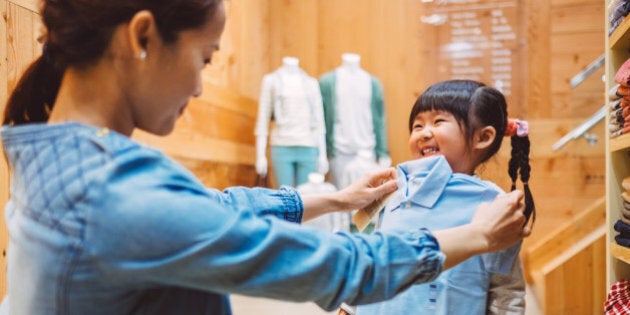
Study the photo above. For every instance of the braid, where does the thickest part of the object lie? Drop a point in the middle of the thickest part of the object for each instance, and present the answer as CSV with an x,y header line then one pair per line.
x,y
513,165
520,161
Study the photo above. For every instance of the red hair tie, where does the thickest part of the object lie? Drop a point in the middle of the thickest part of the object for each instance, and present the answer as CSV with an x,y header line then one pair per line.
x,y
517,127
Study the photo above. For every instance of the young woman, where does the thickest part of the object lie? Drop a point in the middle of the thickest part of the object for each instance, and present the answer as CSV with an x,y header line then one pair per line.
x,y
100,224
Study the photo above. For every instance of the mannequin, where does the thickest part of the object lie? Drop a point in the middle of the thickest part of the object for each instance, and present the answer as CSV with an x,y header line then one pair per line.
x,y
354,116
292,99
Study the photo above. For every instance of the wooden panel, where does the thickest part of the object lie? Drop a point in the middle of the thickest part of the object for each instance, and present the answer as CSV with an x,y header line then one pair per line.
x,y
293,32
576,104
343,28
4,71
577,18
565,66
576,287
538,61
571,42
31,5
242,60
220,175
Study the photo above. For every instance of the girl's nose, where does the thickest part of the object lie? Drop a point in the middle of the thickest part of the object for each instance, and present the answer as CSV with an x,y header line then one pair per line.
x,y
426,133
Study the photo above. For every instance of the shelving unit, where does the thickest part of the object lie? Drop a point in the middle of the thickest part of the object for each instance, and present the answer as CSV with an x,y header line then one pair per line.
x,y
617,156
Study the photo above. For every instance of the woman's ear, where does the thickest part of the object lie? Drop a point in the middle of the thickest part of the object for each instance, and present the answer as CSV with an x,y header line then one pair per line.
x,y
141,30
484,137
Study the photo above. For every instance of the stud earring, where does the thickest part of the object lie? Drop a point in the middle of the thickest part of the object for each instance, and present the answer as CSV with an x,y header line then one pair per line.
x,y
142,55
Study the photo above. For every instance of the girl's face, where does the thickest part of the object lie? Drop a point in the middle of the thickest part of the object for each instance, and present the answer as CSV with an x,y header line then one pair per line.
x,y
439,133
175,75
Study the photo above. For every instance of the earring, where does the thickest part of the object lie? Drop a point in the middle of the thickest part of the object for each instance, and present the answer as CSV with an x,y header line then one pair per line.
x,y
142,55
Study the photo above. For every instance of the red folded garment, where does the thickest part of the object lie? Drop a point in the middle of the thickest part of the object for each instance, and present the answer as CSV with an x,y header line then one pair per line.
x,y
623,74
623,90
618,301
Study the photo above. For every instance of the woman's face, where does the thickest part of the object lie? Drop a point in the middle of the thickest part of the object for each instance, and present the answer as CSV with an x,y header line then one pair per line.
x,y
174,76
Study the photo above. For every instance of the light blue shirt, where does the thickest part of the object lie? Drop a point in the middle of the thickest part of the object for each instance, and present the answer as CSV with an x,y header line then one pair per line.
x,y
100,224
430,195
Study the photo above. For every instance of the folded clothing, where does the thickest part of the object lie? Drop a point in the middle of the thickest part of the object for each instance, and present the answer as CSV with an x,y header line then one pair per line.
x,y
618,299
623,74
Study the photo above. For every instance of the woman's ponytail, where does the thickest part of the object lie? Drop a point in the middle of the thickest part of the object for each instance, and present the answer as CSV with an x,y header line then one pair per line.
x,y
33,97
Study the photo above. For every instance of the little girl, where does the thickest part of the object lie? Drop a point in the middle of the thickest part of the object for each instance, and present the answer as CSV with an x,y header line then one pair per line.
x,y
455,126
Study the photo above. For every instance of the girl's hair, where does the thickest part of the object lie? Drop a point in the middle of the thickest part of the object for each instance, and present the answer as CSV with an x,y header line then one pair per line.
x,y
79,32
475,105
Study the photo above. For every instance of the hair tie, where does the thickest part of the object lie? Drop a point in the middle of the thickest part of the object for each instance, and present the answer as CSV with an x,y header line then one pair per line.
x,y
517,127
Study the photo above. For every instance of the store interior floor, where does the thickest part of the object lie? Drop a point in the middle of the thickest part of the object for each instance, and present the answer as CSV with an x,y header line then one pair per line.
x,y
242,305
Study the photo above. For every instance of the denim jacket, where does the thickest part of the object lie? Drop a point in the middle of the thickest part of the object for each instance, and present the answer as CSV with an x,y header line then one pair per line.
x,y
100,224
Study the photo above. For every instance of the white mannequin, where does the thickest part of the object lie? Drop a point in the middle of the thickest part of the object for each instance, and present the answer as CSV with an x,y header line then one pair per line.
x,y
353,98
290,81
351,65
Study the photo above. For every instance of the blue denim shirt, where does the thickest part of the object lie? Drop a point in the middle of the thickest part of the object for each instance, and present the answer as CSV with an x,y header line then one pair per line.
x,y
100,224
429,194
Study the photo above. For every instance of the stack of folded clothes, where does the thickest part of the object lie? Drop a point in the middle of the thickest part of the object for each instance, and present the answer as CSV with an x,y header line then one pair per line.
x,y
623,224
618,11
620,102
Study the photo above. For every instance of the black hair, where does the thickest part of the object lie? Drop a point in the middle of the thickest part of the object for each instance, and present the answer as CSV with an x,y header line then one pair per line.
x,y
78,33
475,105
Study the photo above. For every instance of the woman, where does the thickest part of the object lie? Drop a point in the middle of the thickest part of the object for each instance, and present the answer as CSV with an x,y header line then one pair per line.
x,y
102,225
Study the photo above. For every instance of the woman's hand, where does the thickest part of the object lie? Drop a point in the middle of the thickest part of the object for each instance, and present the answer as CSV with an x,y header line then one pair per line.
x,y
371,187
368,189
502,221
495,226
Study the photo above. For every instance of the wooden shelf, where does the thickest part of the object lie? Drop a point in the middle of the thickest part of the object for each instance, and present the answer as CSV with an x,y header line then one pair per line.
x,y
620,38
620,143
620,252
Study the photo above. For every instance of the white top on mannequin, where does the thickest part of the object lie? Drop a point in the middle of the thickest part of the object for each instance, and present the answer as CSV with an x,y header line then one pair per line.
x,y
353,123
294,100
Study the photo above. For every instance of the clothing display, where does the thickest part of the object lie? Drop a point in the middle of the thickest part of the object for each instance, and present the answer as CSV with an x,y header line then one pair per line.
x,y
619,9
618,299
354,115
429,194
620,102
151,258
292,99
623,224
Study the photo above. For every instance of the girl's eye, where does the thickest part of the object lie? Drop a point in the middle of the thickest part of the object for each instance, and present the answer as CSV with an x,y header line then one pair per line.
x,y
417,126
207,61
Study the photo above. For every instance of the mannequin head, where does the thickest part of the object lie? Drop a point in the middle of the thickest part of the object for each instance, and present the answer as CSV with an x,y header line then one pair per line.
x,y
351,61
290,61
290,64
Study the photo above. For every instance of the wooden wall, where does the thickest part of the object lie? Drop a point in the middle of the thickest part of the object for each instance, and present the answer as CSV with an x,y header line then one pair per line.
x,y
557,38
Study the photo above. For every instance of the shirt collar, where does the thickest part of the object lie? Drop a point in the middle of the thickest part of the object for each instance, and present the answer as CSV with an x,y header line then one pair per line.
x,y
430,177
